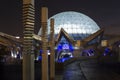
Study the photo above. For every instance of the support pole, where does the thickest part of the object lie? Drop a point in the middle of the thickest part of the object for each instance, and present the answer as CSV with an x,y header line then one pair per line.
x,y
44,16
52,52
28,53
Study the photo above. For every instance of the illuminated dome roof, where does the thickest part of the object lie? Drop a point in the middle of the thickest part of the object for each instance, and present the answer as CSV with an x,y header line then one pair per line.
x,y
76,24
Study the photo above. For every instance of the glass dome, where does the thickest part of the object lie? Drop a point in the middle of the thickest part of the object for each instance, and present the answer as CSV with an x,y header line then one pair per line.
x,y
76,24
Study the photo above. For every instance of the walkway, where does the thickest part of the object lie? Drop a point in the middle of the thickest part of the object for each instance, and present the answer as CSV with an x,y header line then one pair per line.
x,y
73,72
88,69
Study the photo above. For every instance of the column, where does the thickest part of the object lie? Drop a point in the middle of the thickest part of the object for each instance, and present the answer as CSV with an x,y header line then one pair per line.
x,y
28,53
52,53
44,18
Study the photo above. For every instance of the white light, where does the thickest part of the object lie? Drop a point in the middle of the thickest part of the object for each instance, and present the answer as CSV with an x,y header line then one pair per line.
x,y
48,53
17,37
76,47
15,56
12,55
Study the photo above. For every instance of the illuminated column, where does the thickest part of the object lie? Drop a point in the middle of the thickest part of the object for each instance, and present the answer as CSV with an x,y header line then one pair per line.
x,y
52,53
44,18
28,53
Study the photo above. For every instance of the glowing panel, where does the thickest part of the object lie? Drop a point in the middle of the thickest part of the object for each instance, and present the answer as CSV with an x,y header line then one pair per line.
x,y
65,46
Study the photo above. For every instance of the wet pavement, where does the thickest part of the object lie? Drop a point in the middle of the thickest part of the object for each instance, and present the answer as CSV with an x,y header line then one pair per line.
x,y
73,72
88,69
94,71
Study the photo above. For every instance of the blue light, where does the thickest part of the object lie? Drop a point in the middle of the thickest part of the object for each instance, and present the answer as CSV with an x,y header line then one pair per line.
x,y
64,50
65,46
59,47
40,52
88,52
107,52
39,58
71,48
63,60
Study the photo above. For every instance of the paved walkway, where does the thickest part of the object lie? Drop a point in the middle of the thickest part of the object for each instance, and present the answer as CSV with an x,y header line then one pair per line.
x,y
87,69
94,71
73,72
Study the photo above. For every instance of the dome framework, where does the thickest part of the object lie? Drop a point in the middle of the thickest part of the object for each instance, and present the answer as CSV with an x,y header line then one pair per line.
x,y
77,25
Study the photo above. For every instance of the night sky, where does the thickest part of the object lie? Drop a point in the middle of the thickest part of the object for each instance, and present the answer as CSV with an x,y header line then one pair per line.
x,y
105,14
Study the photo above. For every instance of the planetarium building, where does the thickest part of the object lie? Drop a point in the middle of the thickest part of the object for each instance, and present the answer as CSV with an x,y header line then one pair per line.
x,y
76,24
78,27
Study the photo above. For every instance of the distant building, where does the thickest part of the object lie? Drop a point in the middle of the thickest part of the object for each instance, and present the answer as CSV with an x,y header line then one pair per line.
x,y
73,30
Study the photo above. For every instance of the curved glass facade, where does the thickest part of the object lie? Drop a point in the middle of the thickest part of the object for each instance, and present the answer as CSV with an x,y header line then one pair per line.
x,y
76,24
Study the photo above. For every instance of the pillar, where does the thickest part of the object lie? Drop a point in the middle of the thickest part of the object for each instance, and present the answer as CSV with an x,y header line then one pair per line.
x,y
44,18
28,53
52,53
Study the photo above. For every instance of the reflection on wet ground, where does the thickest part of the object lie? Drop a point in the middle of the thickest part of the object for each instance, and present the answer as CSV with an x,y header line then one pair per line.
x,y
89,69
73,72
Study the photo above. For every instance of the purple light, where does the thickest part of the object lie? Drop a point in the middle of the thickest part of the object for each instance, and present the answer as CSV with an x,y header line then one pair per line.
x,y
65,46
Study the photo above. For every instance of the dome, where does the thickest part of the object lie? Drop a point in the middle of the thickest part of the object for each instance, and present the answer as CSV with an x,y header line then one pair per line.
x,y
76,24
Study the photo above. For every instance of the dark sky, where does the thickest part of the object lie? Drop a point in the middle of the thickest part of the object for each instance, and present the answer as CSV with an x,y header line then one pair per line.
x,y
106,13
